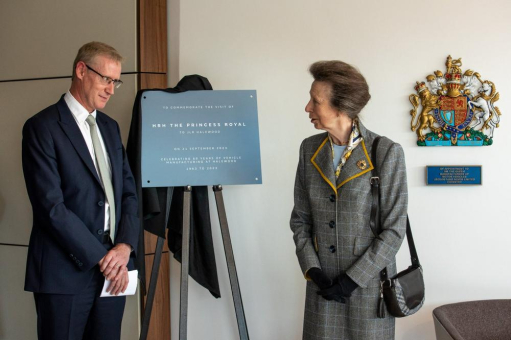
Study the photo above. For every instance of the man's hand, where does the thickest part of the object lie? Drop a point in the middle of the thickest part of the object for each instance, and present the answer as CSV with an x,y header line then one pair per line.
x,y
113,264
119,285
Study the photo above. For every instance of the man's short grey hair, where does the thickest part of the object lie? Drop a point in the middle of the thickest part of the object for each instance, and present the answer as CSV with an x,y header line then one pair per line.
x,y
88,52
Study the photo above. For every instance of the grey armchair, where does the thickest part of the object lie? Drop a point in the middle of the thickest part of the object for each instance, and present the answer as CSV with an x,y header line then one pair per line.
x,y
473,320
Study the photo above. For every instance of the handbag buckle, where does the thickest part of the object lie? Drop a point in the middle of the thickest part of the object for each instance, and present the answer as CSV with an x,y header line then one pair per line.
x,y
386,283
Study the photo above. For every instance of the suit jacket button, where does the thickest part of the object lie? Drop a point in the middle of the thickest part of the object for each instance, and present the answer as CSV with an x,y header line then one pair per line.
x,y
100,231
332,198
101,203
332,249
332,224
80,264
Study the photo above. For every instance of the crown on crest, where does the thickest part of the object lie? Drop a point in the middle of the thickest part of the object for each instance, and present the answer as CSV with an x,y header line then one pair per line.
x,y
420,87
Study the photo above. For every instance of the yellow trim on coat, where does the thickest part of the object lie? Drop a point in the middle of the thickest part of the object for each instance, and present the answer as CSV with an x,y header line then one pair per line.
x,y
306,275
371,167
319,169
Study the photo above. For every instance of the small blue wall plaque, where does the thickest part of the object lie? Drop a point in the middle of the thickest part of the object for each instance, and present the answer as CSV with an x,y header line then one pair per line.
x,y
200,138
454,175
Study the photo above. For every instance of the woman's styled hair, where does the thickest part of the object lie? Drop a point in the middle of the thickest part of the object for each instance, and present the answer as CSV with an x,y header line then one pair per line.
x,y
91,50
349,89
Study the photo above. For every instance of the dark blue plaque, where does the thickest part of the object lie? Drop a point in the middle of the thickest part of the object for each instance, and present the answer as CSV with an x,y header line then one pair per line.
x,y
200,138
454,175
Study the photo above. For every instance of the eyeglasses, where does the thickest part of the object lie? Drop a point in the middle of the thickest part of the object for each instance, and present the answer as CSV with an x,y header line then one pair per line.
x,y
106,80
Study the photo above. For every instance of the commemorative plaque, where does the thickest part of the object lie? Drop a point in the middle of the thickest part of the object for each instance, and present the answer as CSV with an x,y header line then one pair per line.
x,y
200,138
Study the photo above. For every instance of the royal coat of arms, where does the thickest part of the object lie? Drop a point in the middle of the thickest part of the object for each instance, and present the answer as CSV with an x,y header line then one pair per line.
x,y
457,109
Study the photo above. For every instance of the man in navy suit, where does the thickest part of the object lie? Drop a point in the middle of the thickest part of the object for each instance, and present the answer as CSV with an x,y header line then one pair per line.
x,y
85,223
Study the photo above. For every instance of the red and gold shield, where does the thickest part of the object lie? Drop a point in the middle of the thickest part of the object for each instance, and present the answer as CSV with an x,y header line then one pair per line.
x,y
453,110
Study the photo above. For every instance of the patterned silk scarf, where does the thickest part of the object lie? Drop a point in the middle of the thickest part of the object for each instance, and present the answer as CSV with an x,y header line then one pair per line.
x,y
355,139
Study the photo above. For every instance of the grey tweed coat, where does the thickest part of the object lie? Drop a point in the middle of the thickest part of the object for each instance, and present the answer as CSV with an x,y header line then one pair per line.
x,y
330,222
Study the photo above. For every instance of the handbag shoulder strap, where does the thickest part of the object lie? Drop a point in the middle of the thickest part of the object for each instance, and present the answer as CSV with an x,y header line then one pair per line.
x,y
374,222
375,210
411,244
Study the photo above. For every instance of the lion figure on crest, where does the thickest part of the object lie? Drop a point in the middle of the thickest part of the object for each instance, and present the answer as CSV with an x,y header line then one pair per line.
x,y
425,120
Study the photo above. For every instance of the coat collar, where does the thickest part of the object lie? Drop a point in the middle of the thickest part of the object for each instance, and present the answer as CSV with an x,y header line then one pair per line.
x,y
322,161
357,164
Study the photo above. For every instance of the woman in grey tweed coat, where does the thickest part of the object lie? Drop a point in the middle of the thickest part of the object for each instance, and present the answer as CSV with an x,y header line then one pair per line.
x,y
335,246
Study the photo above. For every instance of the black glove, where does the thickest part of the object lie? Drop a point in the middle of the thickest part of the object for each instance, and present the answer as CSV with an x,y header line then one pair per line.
x,y
340,290
319,278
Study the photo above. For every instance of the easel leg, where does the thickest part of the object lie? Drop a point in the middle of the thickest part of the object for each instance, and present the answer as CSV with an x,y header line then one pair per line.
x,y
154,273
185,263
152,288
231,266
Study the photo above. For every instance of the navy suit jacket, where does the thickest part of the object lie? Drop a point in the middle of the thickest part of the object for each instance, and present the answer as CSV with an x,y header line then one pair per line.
x,y
68,200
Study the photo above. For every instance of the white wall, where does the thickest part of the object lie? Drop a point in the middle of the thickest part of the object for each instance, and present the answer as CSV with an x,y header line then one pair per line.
x,y
462,233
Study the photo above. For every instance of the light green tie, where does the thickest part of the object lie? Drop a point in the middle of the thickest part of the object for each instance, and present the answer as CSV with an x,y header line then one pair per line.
x,y
103,172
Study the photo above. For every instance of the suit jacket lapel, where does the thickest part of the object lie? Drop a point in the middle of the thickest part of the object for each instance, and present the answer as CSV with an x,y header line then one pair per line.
x,y
322,161
357,164
68,124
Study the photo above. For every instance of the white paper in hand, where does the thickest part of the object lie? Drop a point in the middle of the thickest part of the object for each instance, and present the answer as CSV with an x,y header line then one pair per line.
x,y
132,285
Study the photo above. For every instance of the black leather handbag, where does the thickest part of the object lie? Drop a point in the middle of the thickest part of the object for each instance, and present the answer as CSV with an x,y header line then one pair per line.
x,y
403,294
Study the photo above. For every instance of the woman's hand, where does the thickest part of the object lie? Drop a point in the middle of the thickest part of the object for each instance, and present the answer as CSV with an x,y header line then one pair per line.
x,y
340,290
319,278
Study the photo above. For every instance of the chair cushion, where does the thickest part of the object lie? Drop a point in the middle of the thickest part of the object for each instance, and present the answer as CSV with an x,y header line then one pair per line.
x,y
476,320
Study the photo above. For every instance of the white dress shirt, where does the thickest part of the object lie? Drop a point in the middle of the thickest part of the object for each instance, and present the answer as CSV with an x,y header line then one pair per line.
x,y
80,115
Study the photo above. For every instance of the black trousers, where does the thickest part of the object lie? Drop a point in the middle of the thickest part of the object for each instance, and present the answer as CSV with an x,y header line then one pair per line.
x,y
84,316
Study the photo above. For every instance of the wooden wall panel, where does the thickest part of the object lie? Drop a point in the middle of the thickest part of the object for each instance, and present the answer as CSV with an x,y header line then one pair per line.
x,y
41,38
152,34
159,328
152,81
152,67
18,318
150,244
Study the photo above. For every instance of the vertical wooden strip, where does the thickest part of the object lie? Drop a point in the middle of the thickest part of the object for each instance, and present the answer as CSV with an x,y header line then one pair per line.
x,y
159,328
152,57
150,245
152,81
152,36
